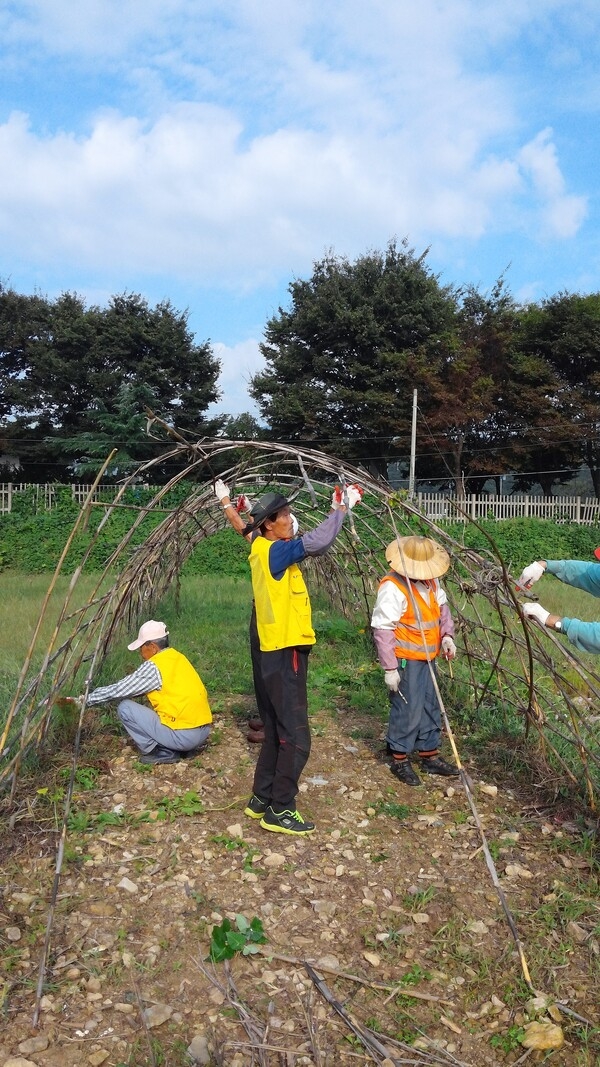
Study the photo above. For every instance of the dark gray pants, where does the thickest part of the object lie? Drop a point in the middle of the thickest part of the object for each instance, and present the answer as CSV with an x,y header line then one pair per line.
x,y
415,716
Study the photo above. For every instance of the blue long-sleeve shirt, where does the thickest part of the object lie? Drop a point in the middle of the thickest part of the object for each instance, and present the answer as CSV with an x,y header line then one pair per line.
x,y
314,543
581,575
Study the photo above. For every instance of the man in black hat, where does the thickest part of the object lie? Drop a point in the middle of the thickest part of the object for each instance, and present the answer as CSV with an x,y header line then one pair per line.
x,y
286,636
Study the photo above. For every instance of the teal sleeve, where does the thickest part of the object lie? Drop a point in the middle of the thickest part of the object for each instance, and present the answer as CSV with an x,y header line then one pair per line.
x,y
578,573
584,635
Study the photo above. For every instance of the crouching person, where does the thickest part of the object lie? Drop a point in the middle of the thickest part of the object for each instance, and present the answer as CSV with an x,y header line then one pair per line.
x,y
177,724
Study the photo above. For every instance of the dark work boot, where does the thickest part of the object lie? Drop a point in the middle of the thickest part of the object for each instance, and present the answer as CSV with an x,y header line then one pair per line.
x,y
437,765
402,770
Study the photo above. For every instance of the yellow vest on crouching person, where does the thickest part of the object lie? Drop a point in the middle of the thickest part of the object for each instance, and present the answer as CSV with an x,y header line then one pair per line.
x,y
283,613
182,703
411,643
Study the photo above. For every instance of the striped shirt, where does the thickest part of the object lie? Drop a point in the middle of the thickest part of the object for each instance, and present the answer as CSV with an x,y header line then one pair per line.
x,y
144,680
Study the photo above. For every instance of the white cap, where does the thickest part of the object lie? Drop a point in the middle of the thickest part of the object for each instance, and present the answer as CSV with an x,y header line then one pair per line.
x,y
150,631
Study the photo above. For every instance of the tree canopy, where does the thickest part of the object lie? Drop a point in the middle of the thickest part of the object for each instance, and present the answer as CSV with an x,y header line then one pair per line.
x,y
75,380
501,387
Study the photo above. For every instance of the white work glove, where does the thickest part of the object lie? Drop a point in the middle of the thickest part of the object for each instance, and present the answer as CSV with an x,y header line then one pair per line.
x,y
221,490
448,647
529,575
535,611
243,503
295,526
349,498
392,680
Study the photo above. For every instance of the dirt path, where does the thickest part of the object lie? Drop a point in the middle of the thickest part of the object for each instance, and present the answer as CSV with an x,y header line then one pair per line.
x,y
392,890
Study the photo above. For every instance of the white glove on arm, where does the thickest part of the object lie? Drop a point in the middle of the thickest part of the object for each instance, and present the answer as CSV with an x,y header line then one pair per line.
x,y
221,490
448,647
530,574
392,680
349,498
535,611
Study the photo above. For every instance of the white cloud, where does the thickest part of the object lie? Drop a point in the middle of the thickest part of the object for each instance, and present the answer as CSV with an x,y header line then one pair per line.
x,y
561,213
251,136
238,363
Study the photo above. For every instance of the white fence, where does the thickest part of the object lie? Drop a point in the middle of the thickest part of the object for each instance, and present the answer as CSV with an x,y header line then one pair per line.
x,y
46,494
436,506
583,510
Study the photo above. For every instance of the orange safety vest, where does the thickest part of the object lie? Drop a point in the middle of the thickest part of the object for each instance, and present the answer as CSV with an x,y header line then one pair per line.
x,y
411,643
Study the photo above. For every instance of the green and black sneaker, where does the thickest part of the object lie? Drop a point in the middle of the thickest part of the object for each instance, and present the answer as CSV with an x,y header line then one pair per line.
x,y
286,822
255,807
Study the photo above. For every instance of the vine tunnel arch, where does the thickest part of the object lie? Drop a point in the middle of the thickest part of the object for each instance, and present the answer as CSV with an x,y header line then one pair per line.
x,y
503,663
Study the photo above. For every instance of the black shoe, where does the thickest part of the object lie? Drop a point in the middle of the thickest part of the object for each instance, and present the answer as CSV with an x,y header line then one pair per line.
x,y
255,807
191,752
402,770
160,755
286,822
437,765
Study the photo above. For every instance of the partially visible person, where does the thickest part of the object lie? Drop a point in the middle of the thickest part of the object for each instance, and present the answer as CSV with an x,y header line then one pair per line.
x,y
580,574
412,626
286,636
177,724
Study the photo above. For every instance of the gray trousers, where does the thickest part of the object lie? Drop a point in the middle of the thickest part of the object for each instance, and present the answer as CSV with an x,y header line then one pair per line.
x,y
415,716
147,731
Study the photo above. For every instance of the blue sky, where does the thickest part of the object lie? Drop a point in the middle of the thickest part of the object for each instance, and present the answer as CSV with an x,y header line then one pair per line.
x,y
210,152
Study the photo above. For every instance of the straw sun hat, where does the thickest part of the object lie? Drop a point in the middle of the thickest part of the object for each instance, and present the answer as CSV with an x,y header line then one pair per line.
x,y
417,557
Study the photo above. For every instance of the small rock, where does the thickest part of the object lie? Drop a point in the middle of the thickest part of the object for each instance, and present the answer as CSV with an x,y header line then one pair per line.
x,y
372,958
543,1035
577,932
125,1009
198,1050
33,1044
489,790
477,927
18,1061
235,830
274,859
324,907
13,933
514,870
330,962
127,885
96,1058
420,918
157,1014
99,907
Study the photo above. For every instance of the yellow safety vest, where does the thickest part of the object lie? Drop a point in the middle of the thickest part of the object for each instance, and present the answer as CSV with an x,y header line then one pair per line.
x,y
410,642
283,614
182,703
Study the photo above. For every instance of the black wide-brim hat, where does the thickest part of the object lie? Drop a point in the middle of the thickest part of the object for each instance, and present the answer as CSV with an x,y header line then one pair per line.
x,y
267,506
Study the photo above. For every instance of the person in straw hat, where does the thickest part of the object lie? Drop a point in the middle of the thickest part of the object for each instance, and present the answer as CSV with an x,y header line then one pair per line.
x,y
412,626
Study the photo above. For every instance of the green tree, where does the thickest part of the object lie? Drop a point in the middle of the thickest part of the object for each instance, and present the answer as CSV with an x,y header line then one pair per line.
x,y
563,333
68,370
337,360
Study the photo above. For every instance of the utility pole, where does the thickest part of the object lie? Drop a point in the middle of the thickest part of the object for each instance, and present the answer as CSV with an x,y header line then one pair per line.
x,y
413,448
